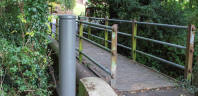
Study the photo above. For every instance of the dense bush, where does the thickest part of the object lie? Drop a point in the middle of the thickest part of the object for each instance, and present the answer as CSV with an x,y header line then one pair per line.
x,y
24,59
23,70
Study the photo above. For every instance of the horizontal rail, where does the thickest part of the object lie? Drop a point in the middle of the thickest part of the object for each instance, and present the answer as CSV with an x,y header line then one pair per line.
x,y
94,24
146,23
96,63
107,49
92,18
83,17
96,18
124,46
122,21
101,28
161,42
121,33
95,36
164,25
162,60
149,23
120,45
125,34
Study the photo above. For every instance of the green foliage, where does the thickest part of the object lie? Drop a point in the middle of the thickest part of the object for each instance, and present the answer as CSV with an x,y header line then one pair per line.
x,y
23,70
23,51
99,8
69,4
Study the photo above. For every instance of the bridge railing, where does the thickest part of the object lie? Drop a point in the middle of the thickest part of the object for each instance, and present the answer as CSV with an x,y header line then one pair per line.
x,y
189,46
113,50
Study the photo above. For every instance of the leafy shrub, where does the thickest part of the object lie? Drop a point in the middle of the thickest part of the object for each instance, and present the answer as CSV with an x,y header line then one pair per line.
x,y
23,52
23,70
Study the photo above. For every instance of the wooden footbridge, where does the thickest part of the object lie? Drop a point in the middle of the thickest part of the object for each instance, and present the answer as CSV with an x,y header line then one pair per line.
x,y
123,73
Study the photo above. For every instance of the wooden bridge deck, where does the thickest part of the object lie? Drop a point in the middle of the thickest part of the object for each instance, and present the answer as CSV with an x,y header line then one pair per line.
x,y
131,76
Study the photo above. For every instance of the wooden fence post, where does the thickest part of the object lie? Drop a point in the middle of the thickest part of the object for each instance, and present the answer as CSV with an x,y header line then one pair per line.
x,y
106,32
80,41
114,55
189,52
133,45
89,30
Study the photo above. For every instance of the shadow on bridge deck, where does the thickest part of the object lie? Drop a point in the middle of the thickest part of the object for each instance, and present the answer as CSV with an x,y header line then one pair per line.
x,y
131,76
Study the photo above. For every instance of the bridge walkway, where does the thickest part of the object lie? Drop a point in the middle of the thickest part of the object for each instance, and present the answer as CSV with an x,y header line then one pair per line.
x,y
131,76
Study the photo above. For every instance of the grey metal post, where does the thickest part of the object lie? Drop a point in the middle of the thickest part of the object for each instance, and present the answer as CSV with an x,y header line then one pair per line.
x,y
67,59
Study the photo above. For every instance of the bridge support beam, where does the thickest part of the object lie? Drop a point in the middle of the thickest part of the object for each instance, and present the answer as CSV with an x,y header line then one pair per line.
x,y
189,52
67,66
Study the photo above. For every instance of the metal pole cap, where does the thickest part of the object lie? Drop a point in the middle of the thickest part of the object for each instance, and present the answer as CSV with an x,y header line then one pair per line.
x,y
67,17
